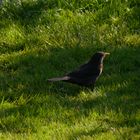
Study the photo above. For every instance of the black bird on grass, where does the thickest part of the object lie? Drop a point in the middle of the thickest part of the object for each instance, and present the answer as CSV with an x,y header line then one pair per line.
x,y
87,74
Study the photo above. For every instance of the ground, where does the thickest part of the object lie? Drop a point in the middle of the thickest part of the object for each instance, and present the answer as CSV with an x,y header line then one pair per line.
x,y
43,39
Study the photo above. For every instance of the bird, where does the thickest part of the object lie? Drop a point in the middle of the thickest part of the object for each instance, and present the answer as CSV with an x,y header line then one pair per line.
x,y
87,74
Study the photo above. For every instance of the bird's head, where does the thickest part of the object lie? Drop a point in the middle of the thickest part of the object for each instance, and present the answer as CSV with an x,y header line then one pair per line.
x,y
98,57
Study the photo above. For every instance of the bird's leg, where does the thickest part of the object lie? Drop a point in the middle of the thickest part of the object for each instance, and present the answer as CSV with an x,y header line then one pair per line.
x,y
91,87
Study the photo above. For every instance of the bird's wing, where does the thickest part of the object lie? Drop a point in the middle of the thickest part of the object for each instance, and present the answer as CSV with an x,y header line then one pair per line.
x,y
84,71
79,70
83,81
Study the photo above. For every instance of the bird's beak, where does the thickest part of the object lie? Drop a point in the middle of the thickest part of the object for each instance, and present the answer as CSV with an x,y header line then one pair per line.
x,y
106,53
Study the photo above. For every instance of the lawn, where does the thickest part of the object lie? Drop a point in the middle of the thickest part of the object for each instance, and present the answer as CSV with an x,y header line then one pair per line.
x,y
41,39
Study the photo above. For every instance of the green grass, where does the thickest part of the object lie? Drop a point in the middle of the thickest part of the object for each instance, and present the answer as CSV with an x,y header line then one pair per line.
x,y
43,39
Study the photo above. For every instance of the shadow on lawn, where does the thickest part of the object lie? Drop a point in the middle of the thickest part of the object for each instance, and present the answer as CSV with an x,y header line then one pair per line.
x,y
27,75
27,13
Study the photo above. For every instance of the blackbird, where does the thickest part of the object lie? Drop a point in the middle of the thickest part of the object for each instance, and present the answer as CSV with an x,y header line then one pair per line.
x,y
87,74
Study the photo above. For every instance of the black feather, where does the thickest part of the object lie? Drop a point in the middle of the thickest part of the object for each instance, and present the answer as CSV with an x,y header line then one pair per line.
x,y
87,74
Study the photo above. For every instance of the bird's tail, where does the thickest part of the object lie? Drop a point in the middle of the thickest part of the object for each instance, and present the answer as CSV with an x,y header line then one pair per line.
x,y
65,78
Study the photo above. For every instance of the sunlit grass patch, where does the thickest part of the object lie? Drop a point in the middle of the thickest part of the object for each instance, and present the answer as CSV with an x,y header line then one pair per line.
x,y
12,38
133,40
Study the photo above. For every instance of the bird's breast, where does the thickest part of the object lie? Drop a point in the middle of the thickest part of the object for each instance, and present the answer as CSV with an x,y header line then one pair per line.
x,y
101,68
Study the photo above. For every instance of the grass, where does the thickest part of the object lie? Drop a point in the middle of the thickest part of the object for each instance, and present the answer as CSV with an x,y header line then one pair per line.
x,y
41,39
